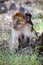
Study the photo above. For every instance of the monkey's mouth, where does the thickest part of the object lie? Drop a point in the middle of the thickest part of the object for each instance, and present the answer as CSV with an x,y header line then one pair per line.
x,y
17,26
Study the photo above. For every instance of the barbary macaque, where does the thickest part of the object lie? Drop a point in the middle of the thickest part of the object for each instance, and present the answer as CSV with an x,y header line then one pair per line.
x,y
28,36
18,23
28,18
21,32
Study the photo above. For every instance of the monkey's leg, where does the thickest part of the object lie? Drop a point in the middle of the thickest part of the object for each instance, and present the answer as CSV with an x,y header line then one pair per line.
x,y
13,44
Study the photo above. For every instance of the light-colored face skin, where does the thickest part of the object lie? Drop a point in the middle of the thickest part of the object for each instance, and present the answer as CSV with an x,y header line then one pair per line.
x,y
28,18
18,22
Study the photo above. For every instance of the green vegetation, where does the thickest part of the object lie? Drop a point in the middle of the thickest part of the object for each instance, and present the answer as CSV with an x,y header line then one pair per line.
x,y
12,59
37,16
39,26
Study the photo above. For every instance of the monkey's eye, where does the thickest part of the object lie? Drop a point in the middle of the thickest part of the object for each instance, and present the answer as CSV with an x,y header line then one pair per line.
x,y
19,20
16,21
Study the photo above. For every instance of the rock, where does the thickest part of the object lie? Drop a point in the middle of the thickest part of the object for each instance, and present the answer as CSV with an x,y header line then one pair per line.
x,y
3,8
12,6
22,9
3,0
37,16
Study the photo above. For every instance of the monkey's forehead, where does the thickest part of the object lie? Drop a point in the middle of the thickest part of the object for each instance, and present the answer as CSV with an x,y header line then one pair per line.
x,y
19,14
28,14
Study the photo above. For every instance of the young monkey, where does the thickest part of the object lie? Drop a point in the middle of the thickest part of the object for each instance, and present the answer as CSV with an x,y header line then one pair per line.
x,y
28,35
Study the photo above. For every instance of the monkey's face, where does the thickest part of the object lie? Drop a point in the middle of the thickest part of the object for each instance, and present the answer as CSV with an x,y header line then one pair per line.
x,y
28,18
18,23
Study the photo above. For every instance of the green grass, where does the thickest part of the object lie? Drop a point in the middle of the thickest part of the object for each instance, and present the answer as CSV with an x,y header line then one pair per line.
x,y
6,58
39,26
12,59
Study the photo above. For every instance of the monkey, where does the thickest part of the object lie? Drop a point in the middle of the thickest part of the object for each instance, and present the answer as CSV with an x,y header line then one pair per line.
x,y
18,23
28,18
25,40
21,32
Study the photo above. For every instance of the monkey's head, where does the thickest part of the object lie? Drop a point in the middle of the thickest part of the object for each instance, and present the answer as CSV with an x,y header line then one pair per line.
x,y
18,20
28,18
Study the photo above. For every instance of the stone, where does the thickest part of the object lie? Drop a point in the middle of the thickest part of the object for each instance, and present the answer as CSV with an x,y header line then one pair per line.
x,y
12,7
3,8
3,0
